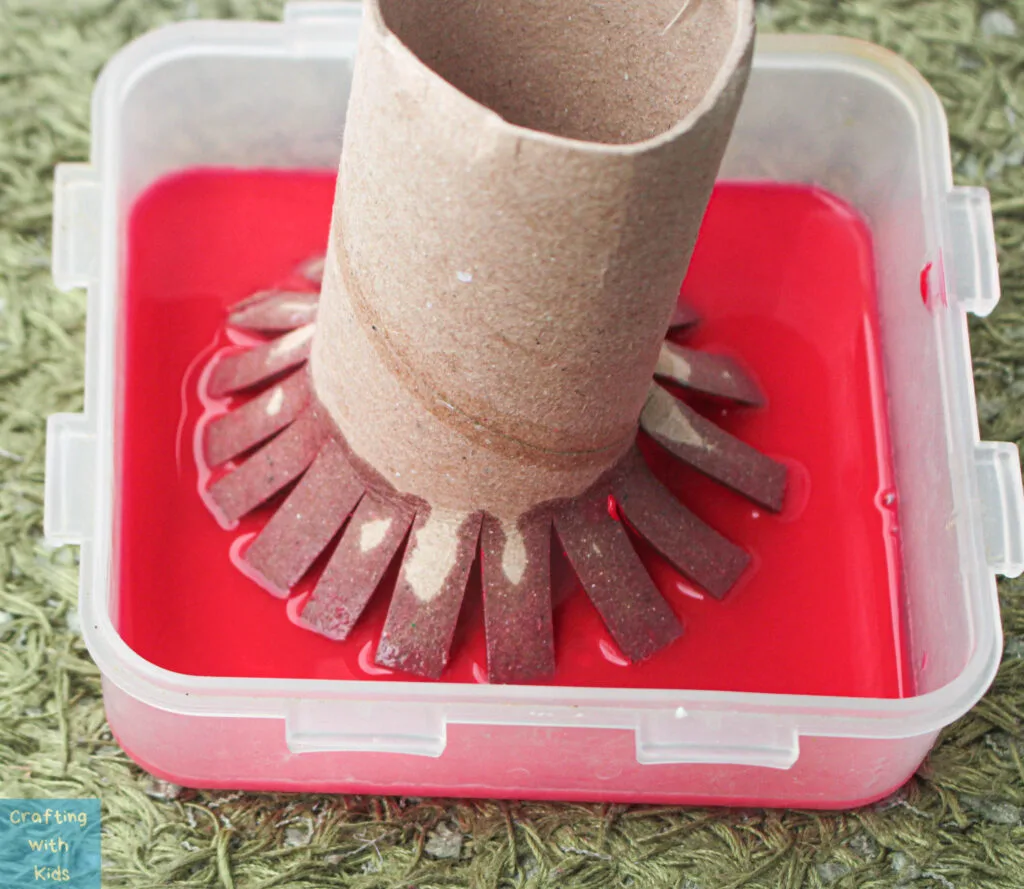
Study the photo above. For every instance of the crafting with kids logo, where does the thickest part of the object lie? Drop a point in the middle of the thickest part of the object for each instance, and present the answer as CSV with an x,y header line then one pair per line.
x,y
50,842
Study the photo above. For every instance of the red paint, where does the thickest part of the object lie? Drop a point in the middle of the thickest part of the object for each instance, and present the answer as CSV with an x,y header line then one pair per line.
x,y
783,279
926,274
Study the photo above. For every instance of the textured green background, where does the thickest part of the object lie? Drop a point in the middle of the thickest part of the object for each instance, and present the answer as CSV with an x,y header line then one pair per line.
x,y
958,823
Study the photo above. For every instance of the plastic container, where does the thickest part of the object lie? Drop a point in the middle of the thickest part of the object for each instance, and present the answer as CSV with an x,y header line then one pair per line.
x,y
840,114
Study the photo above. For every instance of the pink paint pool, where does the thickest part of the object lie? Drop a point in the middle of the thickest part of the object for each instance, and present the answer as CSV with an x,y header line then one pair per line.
x,y
784,280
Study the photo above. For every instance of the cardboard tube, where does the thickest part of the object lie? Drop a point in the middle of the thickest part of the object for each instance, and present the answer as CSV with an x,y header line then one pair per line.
x,y
520,191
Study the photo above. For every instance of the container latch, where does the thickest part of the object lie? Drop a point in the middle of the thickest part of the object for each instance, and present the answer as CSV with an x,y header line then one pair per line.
x,y
68,484
324,726
709,737
971,254
1002,501
315,27
76,226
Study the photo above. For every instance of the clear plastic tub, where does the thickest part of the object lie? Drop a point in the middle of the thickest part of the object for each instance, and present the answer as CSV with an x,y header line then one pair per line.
x,y
840,114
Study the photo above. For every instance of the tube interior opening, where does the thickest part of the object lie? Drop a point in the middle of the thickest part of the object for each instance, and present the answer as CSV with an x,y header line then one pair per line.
x,y
609,71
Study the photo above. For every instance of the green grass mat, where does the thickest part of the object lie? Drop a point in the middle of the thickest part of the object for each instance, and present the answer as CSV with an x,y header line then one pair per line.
x,y
957,824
